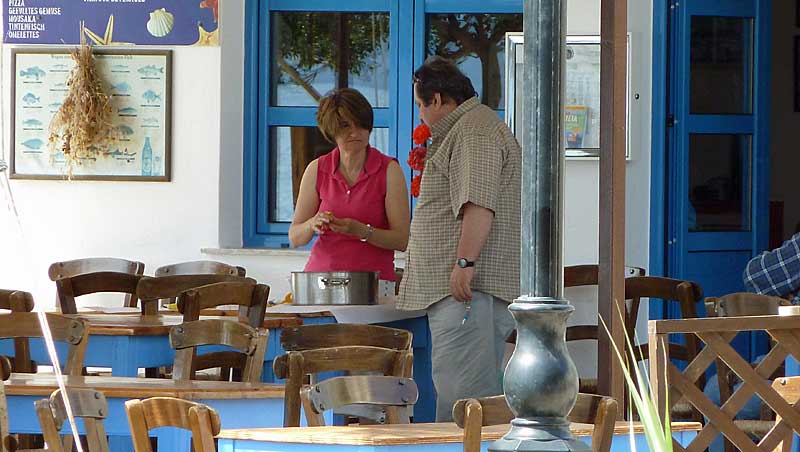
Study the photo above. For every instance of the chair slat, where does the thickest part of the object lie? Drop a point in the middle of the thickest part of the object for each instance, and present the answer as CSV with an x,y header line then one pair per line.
x,y
307,337
156,412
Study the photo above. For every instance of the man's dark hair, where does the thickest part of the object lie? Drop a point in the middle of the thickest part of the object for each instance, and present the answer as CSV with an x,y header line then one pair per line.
x,y
440,75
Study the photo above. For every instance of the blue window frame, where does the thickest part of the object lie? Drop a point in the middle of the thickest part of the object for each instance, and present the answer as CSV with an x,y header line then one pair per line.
x,y
271,115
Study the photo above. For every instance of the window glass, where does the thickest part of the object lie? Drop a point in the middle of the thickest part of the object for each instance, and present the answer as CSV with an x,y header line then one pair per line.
x,y
721,80
475,42
719,182
292,149
314,52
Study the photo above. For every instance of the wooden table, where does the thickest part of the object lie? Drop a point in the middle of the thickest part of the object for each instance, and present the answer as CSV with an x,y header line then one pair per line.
x,y
126,342
240,405
442,437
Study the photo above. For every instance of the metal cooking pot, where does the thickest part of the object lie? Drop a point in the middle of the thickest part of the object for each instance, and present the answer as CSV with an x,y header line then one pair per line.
x,y
334,288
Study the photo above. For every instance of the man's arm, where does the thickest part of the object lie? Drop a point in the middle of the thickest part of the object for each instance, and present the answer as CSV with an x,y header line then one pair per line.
x,y
775,272
475,226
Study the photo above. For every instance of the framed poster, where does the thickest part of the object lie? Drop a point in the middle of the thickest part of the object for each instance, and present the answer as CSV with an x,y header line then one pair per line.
x,y
581,93
138,84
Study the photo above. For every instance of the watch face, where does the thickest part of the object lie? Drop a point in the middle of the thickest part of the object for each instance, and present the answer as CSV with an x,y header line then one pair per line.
x,y
462,263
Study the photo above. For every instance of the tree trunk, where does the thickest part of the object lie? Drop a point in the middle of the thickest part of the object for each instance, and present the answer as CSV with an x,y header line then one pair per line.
x,y
491,82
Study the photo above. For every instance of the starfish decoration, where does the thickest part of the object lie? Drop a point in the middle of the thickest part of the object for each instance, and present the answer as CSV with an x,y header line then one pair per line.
x,y
214,5
207,38
106,40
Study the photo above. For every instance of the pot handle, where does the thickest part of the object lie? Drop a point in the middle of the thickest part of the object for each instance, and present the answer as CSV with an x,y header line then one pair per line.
x,y
335,281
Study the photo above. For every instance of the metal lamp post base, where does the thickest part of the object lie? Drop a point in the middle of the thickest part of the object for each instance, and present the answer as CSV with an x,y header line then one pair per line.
x,y
541,382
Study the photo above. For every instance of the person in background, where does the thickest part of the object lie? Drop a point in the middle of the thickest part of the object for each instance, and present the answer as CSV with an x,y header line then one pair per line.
x,y
354,197
776,272
462,263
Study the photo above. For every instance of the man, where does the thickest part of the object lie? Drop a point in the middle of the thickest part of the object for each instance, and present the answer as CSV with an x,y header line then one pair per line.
x,y
776,272
462,262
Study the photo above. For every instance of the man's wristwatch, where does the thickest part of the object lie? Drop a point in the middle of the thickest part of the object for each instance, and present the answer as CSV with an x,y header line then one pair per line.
x,y
463,263
370,230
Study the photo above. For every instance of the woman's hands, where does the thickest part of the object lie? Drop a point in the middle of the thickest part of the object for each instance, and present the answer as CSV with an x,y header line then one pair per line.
x,y
320,223
349,226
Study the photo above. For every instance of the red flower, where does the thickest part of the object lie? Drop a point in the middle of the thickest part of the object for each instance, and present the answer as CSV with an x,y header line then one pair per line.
x,y
421,134
415,183
416,159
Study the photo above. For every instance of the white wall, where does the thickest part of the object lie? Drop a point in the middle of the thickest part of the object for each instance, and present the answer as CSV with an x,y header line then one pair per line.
x,y
153,222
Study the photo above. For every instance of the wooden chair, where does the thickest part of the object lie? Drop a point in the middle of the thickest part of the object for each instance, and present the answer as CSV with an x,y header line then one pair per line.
x,y
71,287
19,301
87,404
580,276
67,269
294,366
200,268
7,442
250,342
742,305
145,415
249,296
473,414
150,290
377,399
308,337
75,332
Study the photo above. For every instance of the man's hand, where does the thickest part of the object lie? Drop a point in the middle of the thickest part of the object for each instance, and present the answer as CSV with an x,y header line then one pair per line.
x,y
460,282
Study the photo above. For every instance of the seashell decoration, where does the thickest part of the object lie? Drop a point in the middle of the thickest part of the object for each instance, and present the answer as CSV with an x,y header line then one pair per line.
x,y
160,23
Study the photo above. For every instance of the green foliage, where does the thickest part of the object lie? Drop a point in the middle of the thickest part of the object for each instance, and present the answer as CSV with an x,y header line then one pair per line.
x,y
313,41
657,431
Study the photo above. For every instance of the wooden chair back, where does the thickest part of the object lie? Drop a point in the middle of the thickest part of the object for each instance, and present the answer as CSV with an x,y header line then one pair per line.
x,y
200,268
294,366
686,293
87,404
67,269
145,415
71,287
473,414
249,296
250,343
308,337
377,399
150,290
7,442
74,332
19,301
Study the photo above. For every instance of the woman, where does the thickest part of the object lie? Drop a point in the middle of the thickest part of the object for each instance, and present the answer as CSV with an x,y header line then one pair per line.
x,y
355,198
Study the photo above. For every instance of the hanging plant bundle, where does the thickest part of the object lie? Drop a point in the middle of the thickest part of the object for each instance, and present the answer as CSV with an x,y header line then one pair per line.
x,y
82,126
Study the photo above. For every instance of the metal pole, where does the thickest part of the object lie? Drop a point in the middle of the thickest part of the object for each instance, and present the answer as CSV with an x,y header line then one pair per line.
x,y
541,382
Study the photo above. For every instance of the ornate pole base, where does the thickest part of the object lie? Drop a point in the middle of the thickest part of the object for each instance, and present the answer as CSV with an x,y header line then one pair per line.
x,y
541,382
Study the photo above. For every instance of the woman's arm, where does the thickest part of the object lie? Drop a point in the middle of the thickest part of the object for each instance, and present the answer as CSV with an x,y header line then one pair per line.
x,y
397,211
306,221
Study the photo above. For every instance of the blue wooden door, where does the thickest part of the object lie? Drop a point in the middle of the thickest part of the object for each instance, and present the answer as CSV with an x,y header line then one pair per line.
x,y
717,138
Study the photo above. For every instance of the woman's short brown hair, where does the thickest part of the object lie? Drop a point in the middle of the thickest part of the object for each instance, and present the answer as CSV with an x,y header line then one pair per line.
x,y
343,104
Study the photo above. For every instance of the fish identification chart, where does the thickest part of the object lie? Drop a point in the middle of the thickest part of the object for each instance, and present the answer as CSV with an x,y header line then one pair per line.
x,y
138,86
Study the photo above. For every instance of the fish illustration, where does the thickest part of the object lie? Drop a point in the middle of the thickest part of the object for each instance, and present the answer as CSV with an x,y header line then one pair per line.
x,y
30,99
150,120
123,87
59,66
60,85
151,70
114,153
33,144
125,130
55,104
33,122
33,72
127,111
119,67
150,96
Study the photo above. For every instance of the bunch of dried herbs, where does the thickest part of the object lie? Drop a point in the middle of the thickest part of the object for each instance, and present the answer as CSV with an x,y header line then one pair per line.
x,y
82,126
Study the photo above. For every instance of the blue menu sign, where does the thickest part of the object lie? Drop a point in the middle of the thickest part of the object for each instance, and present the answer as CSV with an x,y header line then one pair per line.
x,y
111,22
